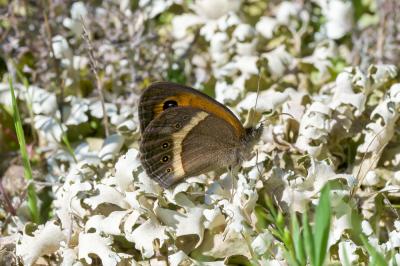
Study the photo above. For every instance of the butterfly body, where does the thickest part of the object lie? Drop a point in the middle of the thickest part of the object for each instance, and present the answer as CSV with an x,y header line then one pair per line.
x,y
186,133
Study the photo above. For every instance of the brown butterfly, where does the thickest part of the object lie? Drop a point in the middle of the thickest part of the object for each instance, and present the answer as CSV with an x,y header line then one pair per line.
x,y
186,133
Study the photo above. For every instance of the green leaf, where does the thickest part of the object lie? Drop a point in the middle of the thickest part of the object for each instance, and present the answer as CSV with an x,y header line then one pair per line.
x,y
32,197
377,258
308,239
298,241
322,226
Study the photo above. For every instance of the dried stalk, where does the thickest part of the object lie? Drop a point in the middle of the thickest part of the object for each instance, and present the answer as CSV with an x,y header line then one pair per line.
x,y
94,67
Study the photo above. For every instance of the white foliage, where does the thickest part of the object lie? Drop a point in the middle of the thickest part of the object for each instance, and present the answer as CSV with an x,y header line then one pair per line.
x,y
45,240
93,243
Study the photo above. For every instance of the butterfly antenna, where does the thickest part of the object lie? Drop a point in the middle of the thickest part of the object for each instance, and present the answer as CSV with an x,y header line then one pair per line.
x,y
258,89
281,114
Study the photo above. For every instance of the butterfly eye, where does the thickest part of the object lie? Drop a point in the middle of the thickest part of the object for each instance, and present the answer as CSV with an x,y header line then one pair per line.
x,y
165,159
169,104
165,145
168,170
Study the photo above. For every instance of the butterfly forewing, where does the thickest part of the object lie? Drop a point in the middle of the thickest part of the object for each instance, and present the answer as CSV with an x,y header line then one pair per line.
x,y
185,141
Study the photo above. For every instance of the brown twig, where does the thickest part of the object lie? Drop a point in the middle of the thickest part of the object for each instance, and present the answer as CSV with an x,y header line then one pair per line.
x,y
7,202
60,98
94,67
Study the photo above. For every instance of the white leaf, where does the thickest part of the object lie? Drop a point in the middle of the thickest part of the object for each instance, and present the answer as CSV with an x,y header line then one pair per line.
x,y
266,27
214,9
60,47
145,234
111,147
93,243
347,252
44,241
109,225
339,16
261,243
107,194
125,167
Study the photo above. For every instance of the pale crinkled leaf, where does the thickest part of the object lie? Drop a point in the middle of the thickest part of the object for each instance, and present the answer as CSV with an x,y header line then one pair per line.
x,y
381,74
107,195
223,245
44,241
266,26
96,109
279,60
213,218
93,243
67,201
315,125
78,11
287,11
85,155
366,228
155,7
145,235
225,92
77,112
378,133
347,252
394,236
261,243
61,47
147,185
214,9
338,227
69,257
339,16
181,23
111,147
267,100
109,225
125,167
321,59
43,102
179,258
5,93
344,94
188,223
49,128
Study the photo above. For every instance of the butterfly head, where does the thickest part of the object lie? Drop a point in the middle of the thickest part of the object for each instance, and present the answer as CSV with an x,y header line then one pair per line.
x,y
251,137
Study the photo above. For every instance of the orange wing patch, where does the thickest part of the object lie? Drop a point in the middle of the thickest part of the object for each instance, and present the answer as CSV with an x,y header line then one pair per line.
x,y
187,99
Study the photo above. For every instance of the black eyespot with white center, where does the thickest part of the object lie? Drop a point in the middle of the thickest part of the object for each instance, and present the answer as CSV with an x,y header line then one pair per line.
x,y
165,145
169,104
165,159
168,170
178,125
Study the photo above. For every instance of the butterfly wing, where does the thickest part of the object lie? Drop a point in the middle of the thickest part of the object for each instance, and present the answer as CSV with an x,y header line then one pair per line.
x,y
184,141
161,95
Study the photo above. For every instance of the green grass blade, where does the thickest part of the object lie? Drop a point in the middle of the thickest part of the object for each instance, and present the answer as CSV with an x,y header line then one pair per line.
x,y
377,258
308,238
322,226
298,241
32,197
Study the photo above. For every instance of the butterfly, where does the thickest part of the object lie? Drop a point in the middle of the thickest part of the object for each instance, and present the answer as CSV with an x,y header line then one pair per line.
x,y
186,133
